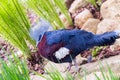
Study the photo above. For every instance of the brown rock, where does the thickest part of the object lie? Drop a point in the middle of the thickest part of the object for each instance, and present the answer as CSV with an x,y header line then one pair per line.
x,y
111,9
107,25
82,17
91,25
77,4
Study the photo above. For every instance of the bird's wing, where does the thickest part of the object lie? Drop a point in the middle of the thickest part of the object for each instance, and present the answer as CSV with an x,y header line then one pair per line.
x,y
55,37
72,40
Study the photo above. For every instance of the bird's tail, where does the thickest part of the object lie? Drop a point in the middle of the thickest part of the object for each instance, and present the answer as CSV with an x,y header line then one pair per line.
x,y
107,38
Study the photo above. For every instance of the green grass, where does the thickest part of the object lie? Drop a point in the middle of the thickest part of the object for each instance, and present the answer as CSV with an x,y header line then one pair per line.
x,y
14,25
49,10
14,70
95,51
95,3
107,76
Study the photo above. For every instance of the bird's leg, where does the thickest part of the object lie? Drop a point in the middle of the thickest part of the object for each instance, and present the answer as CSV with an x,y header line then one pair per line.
x,y
89,58
76,67
75,64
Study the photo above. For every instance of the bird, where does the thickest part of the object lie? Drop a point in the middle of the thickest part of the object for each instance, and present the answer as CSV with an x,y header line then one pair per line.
x,y
63,45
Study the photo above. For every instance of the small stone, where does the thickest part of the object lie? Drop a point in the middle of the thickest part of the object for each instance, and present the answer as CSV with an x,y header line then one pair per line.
x,y
91,25
80,59
82,17
36,66
77,4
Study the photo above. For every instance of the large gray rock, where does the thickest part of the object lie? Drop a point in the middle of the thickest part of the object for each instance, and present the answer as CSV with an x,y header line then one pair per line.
x,y
111,9
92,76
113,62
77,4
91,25
99,74
82,17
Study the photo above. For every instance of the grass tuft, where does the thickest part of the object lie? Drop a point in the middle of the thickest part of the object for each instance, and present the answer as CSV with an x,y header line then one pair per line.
x,y
50,10
14,69
14,25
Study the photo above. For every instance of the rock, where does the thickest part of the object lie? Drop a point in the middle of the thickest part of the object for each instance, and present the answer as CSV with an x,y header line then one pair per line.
x,y
116,45
91,25
37,77
109,25
65,21
111,9
68,3
61,67
82,17
77,4
113,62
99,74
92,76
80,59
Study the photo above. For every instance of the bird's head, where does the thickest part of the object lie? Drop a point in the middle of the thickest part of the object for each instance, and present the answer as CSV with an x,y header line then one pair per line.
x,y
38,29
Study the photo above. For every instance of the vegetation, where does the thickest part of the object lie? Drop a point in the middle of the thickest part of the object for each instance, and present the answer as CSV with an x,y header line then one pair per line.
x,y
94,51
50,10
110,76
14,69
95,3
14,25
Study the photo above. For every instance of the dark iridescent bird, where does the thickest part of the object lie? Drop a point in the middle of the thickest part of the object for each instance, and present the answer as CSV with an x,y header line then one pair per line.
x,y
64,45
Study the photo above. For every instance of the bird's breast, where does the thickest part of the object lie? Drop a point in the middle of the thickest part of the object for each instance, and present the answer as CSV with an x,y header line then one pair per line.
x,y
46,50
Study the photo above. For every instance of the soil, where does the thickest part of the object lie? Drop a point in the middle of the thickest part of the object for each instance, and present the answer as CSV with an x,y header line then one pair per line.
x,y
36,62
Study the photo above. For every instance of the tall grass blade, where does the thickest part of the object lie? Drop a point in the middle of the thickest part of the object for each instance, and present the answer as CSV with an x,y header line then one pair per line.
x,y
14,25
